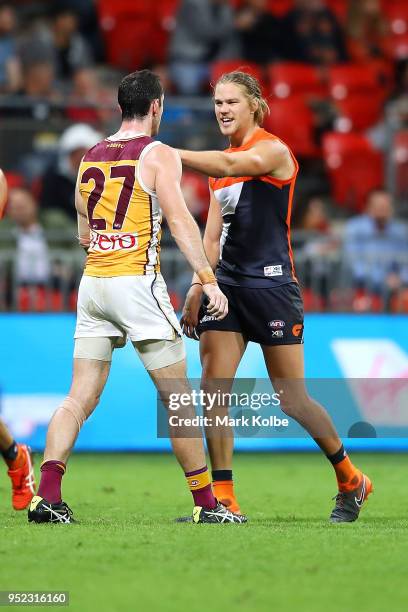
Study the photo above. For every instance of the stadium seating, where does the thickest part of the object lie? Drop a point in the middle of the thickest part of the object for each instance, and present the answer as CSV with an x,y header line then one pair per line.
x,y
384,71
347,79
222,66
127,26
399,46
396,11
279,7
339,8
292,78
164,23
353,166
128,44
292,120
14,179
359,112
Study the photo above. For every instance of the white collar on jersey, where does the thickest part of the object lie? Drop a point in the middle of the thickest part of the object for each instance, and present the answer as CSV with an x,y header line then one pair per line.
x,y
126,135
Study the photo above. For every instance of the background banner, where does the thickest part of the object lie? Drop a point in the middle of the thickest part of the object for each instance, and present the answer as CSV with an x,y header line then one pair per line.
x,y
35,374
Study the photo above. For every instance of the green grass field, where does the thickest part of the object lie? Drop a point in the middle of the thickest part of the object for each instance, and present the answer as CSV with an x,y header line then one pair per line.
x,y
128,554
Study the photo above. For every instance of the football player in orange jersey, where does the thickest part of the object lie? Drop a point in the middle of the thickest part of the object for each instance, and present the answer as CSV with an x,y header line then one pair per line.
x,y
16,456
124,184
247,241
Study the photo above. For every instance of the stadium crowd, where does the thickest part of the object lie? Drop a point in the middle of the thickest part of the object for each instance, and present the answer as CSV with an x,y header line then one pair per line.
x,y
334,72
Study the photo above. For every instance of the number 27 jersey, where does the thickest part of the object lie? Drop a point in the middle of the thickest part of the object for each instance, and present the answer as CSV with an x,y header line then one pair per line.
x,y
124,216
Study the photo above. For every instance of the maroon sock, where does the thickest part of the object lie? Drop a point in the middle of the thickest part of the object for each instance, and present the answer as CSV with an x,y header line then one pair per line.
x,y
50,484
204,495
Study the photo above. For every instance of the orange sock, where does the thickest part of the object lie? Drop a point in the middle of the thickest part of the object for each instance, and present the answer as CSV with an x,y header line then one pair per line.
x,y
224,492
348,476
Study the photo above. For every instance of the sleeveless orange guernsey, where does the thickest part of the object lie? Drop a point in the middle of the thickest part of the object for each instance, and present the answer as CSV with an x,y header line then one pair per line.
x,y
124,217
255,247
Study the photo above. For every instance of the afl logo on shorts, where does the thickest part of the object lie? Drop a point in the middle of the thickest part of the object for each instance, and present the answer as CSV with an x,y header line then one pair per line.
x,y
113,242
276,324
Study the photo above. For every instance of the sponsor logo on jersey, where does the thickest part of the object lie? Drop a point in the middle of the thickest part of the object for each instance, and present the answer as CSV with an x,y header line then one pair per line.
x,y
273,270
276,324
297,329
113,242
277,333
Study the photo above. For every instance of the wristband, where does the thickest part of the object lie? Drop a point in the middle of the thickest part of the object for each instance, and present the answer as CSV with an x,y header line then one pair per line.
x,y
192,284
207,276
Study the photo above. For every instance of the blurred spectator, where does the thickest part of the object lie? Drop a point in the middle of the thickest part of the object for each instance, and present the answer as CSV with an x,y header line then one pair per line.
x,y
89,100
39,86
39,81
366,30
59,43
204,32
32,265
316,241
313,34
312,217
70,49
259,31
395,114
10,69
58,182
376,250
88,24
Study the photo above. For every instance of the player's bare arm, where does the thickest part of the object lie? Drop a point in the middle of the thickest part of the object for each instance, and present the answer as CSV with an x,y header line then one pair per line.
x,y
84,235
266,157
211,241
3,192
164,167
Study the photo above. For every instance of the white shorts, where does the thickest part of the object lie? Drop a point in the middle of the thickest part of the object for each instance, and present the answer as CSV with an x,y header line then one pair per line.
x,y
122,307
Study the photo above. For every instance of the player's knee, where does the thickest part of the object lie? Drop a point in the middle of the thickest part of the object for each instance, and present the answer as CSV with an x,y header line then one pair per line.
x,y
90,403
77,409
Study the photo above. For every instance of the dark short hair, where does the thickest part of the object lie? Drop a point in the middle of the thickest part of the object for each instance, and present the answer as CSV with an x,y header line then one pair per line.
x,y
136,93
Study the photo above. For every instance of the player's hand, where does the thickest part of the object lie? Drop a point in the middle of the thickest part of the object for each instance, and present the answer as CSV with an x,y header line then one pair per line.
x,y
189,318
218,303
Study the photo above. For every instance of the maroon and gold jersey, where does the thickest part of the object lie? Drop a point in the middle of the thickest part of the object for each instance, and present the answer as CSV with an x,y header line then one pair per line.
x,y
124,216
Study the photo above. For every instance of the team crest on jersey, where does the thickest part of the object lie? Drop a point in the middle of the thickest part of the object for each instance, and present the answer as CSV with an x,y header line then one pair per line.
x,y
113,242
